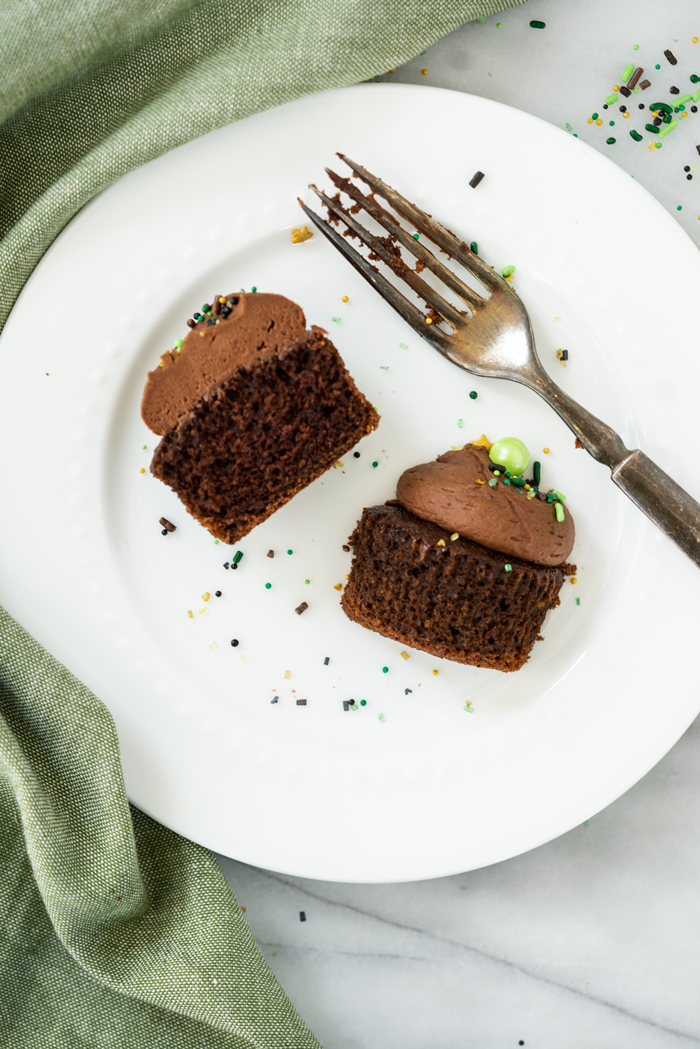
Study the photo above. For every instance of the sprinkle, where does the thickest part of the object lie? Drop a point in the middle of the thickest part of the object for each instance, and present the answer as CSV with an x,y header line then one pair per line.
x,y
270,553
508,568
301,703
455,535
599,122
473,395
476,179
634,78
206,596
346,705
268,586
287,673
168,525
375,463
142,471
300,235
460,423
507,271
468,707
695,40
237,557
645,84
338,586
275,699
671,57
217,594
668,128
416,236
381,718
536,471
306,582
202,611
479,481
404,655
559,511
474,247
424,72
301,608
573,580
546,451
684,98
560,497
483,442
336,320
627,72
610,99
578,600
636,136
190,613
213,646
385,670
216,542
428,320
403,345
143,446
441,542
353,705
537,25
345,298
363,702
492,483
611,141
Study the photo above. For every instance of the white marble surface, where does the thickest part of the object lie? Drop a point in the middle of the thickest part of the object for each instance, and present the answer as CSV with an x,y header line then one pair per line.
x,y
591,940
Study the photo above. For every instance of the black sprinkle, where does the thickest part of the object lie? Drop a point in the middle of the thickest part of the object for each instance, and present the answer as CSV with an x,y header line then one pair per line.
x,y
226,564
356,455
476,179
698,148
623,109
302,916
625,91
211,322
233,301
234,566
657,121
407,690
565,355
275,699
217,594
686,168
497,466
225,312
605,106
640,106
688,176
326,661
675,90
671,57
164,532
301,702
234,643
346,705
693,109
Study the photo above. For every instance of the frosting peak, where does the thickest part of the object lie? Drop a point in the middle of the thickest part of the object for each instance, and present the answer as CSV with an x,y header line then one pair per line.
x,y
500,517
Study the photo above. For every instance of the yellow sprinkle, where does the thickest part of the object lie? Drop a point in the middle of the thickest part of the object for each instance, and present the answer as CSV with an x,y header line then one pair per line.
x,y
336,465
202,610
287,675
404,655
441,542
428,320
682,115
344,299
347,576
616,88
202,334
590,120
436,672
338,586
599,121
527,487
457,447
160,364
483,442
455,535
546,451
221,298
424,71
573,579
300,235
213,646
695,40
626,116
190,613
479,481
651,146
142,470
205,597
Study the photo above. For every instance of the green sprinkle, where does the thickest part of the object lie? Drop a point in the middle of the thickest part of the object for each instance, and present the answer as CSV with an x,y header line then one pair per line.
x,y
473,394
363,702
594,116
536,471
652,129
493,482
506,480
237,557
498,25
611,98
468,707
519,482
657,67
290,551
612,123
375,463
636,47
569,127
508,568
403,345
306,582
696,96
385,670
684,98
636,136
382,718
578,600
694,78
559,511
268,586
679,208
253,289
336,320
658,145
216,542
354,706
415,236
206,307
611,141
560,497
143,447
474,247
507,270
667,128
537,25
627,73
460,423
179,342
384,367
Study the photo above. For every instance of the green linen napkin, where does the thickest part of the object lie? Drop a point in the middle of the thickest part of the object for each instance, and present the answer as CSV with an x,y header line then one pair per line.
x,y
118,932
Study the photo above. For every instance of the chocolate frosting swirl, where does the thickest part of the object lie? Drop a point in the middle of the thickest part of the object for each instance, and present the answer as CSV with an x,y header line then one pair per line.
x,y
501,517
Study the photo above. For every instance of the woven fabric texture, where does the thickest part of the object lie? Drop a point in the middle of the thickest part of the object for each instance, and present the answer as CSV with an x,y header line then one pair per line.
x,y
117,932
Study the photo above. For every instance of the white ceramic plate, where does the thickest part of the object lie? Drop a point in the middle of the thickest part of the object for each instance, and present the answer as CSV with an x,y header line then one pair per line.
x,y
430,788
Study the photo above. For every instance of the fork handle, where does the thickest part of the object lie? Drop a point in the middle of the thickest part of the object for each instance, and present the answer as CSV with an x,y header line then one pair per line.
x,y
656,494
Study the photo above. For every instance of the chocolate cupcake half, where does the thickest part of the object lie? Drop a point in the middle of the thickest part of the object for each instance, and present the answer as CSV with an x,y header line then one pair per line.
x,y
464,564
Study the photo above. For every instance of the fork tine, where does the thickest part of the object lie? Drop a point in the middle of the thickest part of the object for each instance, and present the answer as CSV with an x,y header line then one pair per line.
x,y
441,236
408,311
384,218
393,259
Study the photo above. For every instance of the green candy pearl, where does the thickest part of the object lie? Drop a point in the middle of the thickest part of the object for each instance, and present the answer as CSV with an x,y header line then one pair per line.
x,y
511,453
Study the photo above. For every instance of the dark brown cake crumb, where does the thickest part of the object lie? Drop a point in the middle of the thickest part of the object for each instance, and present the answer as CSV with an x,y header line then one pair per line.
x,y
455,601
258,438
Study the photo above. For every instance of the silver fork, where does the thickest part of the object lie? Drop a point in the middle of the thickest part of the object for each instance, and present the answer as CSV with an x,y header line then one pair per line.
x,y
494,338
